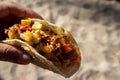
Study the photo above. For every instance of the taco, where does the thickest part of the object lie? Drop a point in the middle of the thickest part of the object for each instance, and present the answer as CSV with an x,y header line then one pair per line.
x,y
51,47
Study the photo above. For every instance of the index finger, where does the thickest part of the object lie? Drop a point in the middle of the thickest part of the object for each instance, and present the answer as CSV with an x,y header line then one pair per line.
x,y
11,8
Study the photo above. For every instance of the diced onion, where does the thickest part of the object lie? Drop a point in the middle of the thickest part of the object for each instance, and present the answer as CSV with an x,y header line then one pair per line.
x,y
27,36
37,25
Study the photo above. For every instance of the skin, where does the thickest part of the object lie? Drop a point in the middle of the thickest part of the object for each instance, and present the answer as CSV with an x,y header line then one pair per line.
x,y
10,13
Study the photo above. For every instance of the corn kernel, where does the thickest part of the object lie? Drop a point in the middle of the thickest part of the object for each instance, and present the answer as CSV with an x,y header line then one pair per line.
x,y
26,22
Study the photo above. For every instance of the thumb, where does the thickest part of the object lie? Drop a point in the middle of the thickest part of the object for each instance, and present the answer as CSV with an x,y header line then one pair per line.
x,y
13,54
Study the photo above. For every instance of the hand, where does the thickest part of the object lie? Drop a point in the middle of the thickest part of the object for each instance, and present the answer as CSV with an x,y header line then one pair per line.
x,y
10,13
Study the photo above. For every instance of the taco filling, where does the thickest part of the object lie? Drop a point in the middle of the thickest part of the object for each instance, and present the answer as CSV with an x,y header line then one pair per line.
x,y
51,42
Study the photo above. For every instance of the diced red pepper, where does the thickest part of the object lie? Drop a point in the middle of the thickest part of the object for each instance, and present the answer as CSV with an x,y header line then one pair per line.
x,y
67,47
24,27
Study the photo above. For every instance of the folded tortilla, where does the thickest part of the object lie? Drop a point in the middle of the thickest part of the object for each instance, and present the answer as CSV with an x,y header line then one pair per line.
x,y
50,46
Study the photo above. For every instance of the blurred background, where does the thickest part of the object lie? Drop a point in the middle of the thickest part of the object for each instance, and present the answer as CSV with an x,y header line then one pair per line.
x,y
95,25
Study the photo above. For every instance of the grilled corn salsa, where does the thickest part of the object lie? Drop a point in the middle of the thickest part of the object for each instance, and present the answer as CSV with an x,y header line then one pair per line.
x,y
49,41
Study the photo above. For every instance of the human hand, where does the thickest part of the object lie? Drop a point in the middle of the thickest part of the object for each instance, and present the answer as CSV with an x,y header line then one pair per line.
x,y
9,14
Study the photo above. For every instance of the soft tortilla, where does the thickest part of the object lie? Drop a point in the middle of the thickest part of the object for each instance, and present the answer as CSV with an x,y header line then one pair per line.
x,y
41,61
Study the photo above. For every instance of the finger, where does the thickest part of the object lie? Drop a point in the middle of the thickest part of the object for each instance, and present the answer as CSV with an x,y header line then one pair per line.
x,y
13,54
3,9
21,11
14,9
